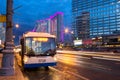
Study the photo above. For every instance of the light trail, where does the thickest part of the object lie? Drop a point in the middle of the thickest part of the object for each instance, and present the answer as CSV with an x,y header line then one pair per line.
x,y
97,55
78,62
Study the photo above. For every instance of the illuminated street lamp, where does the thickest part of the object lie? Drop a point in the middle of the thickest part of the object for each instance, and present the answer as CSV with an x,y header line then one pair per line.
x,y
72,32
66,30
17,25
13,36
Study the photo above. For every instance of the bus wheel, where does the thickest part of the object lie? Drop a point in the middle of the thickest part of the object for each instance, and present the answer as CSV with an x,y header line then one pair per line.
x,y
46,68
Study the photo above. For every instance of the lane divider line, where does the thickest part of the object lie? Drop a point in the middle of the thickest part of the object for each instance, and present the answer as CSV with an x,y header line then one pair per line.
x,y
67,72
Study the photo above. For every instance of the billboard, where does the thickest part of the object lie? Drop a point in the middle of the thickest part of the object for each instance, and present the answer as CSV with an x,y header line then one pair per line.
x,y
77,42
87,42
2,18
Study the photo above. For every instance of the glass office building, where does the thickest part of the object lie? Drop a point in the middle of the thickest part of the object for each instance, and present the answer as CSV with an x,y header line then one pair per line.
x,y
94,18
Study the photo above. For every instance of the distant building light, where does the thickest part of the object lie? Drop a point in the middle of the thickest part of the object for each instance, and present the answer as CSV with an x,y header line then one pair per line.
x,y
77,38
0,42
99,37
72,32
93,38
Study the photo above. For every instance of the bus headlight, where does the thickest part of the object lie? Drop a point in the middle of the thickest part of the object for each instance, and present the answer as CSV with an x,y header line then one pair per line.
x,y
25,59
55,58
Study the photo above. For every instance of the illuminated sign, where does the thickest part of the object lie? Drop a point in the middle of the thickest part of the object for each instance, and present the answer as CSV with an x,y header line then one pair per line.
x,y
77,42
41,39
2,18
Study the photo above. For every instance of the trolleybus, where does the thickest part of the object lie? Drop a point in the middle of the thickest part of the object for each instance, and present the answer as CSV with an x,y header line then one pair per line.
x,y
38,50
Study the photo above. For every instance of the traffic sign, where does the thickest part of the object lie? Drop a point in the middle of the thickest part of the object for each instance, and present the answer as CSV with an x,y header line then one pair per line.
x,y
2,18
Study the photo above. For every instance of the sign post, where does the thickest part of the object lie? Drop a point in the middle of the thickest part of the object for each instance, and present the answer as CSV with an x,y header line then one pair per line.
x,y
8,53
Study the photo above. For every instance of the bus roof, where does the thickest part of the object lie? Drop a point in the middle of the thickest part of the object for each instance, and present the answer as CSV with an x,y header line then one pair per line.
x,y
38,34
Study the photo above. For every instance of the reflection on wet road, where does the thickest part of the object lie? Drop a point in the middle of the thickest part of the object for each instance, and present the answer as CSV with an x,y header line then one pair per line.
x,y
76,67
51,74
41,74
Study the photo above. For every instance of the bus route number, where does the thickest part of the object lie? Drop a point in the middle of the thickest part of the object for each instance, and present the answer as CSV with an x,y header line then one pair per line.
x,y
41,60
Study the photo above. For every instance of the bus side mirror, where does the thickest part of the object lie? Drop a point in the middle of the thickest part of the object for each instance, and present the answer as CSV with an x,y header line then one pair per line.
x,y
22,41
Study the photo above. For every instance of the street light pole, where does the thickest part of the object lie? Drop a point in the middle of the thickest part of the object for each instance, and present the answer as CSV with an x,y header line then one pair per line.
x,y
8,54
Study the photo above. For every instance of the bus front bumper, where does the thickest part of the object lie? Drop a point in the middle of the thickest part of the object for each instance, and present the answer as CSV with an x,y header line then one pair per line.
x,y
39,65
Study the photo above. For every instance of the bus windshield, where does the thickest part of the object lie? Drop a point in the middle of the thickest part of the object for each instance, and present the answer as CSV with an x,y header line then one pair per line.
x,y
40,46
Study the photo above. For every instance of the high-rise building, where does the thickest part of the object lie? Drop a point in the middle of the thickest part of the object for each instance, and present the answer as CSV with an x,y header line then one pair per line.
x,y
52,25
57,26
82,23
94,18
43,26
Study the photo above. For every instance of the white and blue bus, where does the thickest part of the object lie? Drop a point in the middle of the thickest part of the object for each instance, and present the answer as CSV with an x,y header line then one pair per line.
x,y
38,50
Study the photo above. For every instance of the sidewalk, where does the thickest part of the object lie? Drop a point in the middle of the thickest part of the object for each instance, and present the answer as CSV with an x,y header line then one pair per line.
x,y
18,74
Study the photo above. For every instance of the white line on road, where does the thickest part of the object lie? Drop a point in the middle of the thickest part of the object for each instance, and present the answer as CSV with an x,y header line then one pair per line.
x,y
68,72
84,78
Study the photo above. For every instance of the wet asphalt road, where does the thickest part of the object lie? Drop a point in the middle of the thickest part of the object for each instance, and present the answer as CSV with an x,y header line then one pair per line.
x,y
74,67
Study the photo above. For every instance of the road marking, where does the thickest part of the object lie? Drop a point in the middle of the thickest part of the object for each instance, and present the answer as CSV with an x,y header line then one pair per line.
x,y
56,70
77,75
68,72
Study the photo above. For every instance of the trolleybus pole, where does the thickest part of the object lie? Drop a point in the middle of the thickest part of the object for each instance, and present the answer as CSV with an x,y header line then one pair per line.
x,y
8,54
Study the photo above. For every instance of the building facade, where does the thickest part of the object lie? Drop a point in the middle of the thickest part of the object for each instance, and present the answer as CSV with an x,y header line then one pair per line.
x,y
95,18
52,25
43,26
82,23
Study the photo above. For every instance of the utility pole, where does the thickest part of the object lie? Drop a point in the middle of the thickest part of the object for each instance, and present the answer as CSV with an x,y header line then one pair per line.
x,y
8,53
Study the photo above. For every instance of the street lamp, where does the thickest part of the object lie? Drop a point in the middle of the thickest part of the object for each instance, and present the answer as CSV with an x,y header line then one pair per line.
x,y
8,53
13,36
72,32
66,30
17,25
